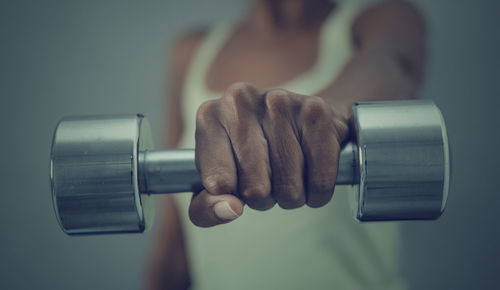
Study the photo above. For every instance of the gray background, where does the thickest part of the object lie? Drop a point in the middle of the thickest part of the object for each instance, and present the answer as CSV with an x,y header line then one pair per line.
x,y
92,57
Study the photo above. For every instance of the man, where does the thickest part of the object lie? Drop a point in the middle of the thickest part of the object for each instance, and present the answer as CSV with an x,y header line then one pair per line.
x,y
275,139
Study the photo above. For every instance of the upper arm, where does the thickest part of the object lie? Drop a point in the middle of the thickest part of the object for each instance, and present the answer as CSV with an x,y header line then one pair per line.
x,y
181,54
393,28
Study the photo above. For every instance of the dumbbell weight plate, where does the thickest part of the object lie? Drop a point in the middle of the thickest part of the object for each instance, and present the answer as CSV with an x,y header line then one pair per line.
x,y
94,174
404,160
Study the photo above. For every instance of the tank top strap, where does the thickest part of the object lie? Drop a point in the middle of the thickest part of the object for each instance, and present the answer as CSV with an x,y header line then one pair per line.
x,y
335,48
194,92
206,53
355,255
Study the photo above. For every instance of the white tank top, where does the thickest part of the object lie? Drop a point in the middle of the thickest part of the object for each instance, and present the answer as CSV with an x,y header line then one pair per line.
x,y
305,248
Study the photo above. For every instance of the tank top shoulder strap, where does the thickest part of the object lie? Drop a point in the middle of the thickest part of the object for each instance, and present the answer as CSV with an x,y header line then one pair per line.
x,y
208,49
194,92
334,50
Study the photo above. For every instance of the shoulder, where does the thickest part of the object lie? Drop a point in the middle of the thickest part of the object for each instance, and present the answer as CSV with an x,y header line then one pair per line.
x,y
394,16
390,11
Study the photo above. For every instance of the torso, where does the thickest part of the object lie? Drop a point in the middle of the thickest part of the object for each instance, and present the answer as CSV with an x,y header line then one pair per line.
x,y
270,58
299,249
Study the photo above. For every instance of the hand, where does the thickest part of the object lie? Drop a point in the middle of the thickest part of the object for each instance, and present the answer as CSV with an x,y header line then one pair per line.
x,y
261,148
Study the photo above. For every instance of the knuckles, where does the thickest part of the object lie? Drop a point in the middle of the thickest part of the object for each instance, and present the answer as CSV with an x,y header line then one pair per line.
x,y
241,99
206,113
238,96
277,102
315,111
240,89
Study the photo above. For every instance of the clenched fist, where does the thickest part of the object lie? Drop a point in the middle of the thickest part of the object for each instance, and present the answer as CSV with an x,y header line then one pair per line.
x,y
261,148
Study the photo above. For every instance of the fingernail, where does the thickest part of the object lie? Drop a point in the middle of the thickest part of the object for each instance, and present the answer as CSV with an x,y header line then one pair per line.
x,y
224,211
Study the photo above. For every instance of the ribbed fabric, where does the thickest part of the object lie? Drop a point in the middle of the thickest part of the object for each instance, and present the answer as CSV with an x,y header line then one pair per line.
x,y
304,248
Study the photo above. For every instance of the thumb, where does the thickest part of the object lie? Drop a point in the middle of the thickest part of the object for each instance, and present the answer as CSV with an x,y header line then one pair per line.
x,y
207,210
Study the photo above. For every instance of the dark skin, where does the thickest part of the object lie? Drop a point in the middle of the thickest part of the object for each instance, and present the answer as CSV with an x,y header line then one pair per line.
x,y
257,146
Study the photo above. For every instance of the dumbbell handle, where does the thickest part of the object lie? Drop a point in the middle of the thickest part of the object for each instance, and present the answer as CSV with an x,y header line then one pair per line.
x,y
171,171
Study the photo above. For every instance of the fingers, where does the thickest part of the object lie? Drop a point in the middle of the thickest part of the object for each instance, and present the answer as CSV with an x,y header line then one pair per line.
x,y
262,148
215,204
320,144
208,210
250,147
213,152
285,153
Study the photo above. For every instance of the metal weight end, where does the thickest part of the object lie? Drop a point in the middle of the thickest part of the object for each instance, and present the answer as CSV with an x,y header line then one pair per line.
x,y
93,172
404,160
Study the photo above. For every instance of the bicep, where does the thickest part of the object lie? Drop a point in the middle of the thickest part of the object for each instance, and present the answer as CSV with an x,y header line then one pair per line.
x,y
394,29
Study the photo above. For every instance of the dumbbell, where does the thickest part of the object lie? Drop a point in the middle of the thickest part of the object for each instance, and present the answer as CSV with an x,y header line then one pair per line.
x,y
104,168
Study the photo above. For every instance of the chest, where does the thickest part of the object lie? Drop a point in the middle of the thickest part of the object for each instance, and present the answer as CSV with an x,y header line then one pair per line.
x,y
263,61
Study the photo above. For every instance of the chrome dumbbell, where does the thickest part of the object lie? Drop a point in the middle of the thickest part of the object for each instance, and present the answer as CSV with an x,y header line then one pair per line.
x,y
103,168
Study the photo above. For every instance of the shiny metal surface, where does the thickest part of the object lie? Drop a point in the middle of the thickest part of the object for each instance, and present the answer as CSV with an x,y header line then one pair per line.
x,y
167,171
103,169
172,171
403,160
347,170
94,174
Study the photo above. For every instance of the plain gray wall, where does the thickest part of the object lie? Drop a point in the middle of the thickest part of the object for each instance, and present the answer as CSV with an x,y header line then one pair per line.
x,y
62,58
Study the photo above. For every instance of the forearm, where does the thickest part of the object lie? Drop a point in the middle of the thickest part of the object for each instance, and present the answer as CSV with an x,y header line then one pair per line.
x,y
389,59
371,75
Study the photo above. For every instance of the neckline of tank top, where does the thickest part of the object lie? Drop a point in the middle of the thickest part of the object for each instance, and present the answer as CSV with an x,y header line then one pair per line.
x,y
334,36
